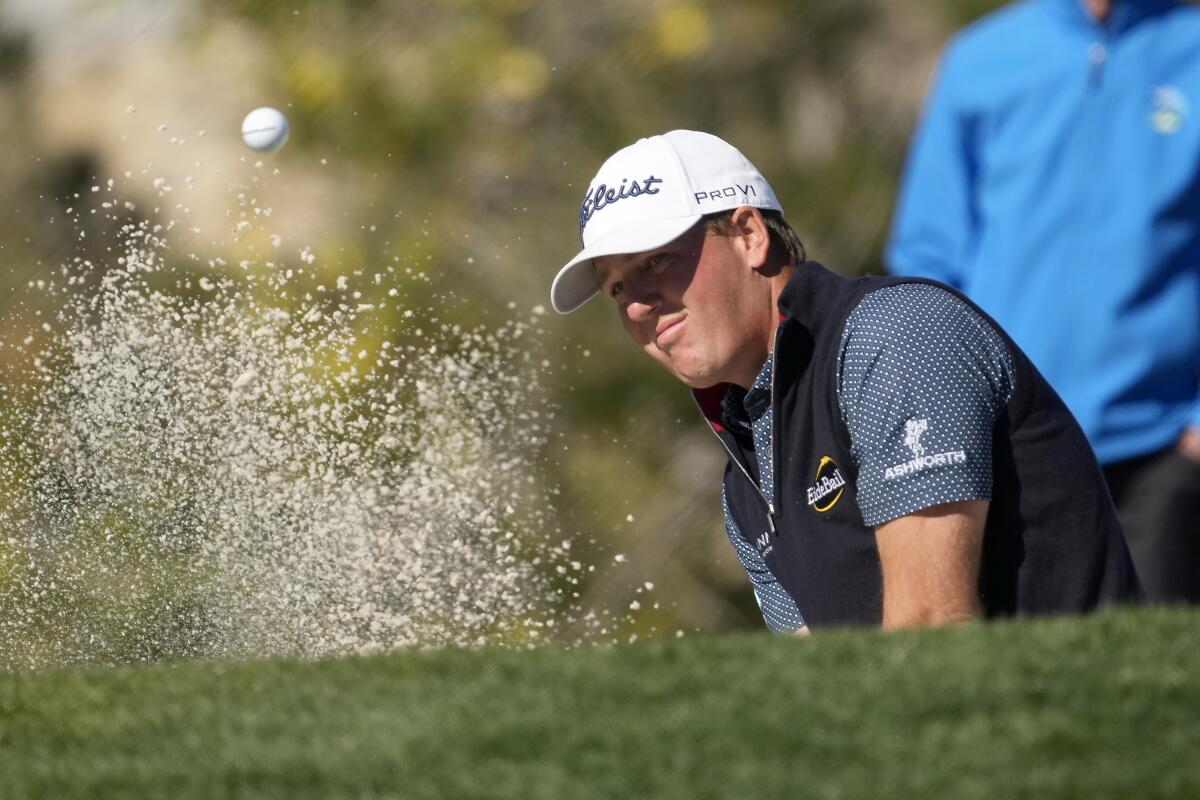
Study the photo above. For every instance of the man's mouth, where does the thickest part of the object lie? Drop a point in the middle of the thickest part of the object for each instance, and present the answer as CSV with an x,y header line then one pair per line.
x,y
668,331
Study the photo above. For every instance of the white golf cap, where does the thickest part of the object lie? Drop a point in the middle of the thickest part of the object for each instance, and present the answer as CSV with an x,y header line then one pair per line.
x,y
651,193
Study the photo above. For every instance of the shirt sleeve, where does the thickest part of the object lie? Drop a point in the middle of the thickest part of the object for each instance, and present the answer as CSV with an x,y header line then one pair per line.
x,y
935,219
778,608
922,378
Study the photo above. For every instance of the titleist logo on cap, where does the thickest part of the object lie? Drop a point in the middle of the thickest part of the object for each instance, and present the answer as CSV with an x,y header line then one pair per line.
x,y
680,176
601,195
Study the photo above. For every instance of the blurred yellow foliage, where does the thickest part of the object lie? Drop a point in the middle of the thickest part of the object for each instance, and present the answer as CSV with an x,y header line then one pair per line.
x,y
500,6
314,79
683,31
521,74
338,254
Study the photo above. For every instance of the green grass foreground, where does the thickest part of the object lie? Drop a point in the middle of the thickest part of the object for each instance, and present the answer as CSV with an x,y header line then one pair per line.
x,y
1102,707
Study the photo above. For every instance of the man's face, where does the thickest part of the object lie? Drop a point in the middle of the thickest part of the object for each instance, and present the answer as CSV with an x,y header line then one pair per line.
x,y
693,306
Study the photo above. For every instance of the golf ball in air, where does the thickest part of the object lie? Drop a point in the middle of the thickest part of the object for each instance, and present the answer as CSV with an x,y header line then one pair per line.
x,y
265,129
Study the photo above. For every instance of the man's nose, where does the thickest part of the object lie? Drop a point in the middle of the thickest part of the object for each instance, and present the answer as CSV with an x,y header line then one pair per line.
x,y
640,308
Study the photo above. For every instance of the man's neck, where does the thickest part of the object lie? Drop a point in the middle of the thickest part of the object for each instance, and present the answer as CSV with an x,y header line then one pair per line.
x,y
750,366
1100,10
778,283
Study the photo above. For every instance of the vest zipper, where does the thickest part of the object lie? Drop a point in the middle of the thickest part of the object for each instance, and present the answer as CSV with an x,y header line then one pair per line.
x,y
774,431
771,455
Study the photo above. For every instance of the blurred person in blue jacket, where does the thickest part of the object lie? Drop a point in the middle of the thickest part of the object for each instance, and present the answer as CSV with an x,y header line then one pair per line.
x,y
1054,180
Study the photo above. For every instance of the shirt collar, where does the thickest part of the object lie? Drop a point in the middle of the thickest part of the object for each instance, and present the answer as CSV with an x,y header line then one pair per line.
x,y
742,405
759,396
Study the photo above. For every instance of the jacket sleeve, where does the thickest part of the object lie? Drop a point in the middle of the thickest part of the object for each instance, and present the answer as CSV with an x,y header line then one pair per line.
x,y
935,218
1194,417
778,608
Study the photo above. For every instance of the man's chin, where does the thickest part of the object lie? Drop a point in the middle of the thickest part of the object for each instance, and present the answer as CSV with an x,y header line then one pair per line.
x,y
694,375
697,379
699,383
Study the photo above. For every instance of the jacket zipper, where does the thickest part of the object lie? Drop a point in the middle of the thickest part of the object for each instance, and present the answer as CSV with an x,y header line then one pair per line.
x,y
1099,51
1097,58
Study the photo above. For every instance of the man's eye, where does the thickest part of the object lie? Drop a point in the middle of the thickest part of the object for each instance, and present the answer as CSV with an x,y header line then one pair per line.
x,y
656,261
616,288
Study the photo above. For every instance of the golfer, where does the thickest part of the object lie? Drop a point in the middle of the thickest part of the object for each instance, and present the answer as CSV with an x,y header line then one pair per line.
x,y
894,459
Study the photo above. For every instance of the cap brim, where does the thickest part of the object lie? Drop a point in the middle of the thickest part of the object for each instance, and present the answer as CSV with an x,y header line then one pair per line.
x,y
576,282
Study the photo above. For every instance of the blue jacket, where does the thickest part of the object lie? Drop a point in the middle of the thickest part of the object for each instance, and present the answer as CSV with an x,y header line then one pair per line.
x,y
1055,179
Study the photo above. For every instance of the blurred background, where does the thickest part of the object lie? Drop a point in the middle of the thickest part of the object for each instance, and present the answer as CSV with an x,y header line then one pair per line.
x,y
458,136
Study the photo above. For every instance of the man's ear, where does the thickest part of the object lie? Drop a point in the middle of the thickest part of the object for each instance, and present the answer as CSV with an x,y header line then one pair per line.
x,y
751,235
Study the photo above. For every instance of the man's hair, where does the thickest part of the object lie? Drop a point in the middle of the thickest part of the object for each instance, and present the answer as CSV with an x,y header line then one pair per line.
x,y
785,242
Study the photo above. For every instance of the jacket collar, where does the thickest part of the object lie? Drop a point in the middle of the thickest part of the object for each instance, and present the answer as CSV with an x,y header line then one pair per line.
x,y
805,297
1125,13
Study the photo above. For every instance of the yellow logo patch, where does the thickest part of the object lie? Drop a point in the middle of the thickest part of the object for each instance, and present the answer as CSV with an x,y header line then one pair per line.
x,y
828,487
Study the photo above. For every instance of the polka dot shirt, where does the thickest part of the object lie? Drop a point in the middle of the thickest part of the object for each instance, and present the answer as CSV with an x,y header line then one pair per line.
x,y
753,407
778,608
921,380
